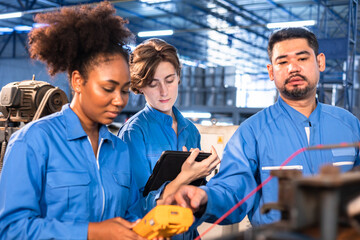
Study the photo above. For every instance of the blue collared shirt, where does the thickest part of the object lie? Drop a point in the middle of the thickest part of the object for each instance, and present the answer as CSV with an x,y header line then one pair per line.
x,y
52,184
148,133
263,142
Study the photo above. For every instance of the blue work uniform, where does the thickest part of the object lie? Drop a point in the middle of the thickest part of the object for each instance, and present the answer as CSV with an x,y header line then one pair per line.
x,y
52,184
263,142
148,133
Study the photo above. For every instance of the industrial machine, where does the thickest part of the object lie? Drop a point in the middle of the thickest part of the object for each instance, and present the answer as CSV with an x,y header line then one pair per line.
x,y
325,206
23,102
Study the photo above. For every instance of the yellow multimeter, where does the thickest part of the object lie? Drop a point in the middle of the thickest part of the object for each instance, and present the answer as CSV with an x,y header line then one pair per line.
x,y
165,221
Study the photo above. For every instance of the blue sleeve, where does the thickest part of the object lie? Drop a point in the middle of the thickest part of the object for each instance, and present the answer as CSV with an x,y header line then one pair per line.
x,y
356,135
149,202
193,140
21,187
236,178
198,139
357,158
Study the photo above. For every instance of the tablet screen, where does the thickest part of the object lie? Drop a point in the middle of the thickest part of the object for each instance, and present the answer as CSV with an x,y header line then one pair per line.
x,y
168,167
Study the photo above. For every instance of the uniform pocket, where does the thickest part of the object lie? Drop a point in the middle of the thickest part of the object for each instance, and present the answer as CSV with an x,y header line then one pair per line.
x,y
343,158
67,194
122,178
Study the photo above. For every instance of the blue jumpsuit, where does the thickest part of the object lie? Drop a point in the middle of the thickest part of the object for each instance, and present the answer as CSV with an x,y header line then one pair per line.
x,y
263,142
52,185
148,133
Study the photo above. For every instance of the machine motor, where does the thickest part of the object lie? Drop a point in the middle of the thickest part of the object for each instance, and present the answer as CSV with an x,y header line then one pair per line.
x,y
23,102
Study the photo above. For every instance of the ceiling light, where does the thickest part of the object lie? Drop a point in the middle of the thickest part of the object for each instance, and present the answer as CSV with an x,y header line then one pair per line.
x,y
22,28
11,15
40,25
4,30
156,33
154,1
291,24
189,62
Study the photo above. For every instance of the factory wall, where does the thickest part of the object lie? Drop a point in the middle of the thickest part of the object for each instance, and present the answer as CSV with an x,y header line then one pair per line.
x,y
17,70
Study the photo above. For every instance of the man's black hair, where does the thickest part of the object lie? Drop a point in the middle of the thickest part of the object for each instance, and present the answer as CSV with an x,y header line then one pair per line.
x,y
292,33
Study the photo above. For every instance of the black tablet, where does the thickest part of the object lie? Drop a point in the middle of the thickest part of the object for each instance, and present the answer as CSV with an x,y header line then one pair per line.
x,y
168,167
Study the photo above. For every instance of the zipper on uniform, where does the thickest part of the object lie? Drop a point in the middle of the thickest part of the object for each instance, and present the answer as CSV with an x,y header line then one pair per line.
x,y
99,176
102,188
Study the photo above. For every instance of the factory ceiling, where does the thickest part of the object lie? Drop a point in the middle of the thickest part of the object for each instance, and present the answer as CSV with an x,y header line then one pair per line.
x,y
206,32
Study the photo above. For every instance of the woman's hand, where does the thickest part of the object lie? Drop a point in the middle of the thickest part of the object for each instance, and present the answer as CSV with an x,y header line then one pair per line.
x,y
192,170
114,228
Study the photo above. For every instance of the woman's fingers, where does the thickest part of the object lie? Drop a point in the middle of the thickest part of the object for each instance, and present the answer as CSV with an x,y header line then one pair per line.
x,y
191,159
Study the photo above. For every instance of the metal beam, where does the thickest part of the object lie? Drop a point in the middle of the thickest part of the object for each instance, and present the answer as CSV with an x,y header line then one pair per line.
x,y
6,43
252,56
283,9
240,10
230,21
206,26
341,64
350,72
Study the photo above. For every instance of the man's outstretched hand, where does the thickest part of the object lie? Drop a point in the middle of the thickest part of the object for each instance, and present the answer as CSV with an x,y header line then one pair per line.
x,y
192,197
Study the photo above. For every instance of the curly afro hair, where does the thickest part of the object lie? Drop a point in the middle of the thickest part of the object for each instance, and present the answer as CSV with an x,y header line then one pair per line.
x,y
74,37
